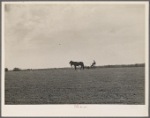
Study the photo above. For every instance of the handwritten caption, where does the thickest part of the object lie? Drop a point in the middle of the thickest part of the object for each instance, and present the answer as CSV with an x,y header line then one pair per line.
x,y
77,106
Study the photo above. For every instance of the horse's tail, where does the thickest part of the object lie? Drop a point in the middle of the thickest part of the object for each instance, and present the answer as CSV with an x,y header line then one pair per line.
x,y
82,65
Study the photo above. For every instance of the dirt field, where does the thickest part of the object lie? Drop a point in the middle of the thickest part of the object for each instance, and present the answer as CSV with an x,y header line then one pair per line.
x,y
67,86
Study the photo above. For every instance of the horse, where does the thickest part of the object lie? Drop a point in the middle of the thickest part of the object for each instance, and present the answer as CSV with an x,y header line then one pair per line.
x,y
77,64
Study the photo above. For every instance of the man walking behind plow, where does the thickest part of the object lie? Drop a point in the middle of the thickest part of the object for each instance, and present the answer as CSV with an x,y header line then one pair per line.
x,y
93,64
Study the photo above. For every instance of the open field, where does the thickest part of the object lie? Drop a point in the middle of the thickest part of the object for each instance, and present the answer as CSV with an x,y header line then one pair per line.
x,y
67,86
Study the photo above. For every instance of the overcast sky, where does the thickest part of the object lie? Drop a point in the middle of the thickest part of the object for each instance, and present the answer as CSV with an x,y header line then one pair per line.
x,y
50,35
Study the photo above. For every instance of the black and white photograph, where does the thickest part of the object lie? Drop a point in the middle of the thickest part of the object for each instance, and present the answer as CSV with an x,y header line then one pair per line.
x,y
75,56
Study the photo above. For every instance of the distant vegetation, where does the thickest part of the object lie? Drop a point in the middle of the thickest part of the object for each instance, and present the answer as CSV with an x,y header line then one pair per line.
x,y
86,67
6,69
117,66
16,69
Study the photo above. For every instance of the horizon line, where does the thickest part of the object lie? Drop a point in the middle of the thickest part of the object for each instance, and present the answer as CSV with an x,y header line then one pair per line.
x,y
133,64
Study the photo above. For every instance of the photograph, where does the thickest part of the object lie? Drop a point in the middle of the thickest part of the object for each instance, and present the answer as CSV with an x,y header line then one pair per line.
x,y
75,56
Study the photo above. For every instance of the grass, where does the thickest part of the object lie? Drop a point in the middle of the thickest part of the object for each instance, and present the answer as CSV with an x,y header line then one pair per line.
x,y
67,86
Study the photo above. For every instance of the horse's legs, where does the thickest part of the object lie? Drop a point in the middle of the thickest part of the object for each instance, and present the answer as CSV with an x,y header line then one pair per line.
x,y
83,67
75,67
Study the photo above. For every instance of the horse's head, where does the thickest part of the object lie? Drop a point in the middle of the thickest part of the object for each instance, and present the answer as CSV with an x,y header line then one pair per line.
x,y
70,63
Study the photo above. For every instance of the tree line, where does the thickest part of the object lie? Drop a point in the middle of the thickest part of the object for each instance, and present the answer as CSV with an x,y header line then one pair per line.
x,y
105,66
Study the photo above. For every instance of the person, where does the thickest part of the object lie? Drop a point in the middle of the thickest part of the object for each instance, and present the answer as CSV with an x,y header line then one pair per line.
x,y
93,64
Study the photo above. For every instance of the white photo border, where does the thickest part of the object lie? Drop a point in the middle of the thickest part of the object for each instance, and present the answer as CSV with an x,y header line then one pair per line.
x,y
70,110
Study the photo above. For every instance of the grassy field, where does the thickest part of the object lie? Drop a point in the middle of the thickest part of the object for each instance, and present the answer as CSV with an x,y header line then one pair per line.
x,y
67,86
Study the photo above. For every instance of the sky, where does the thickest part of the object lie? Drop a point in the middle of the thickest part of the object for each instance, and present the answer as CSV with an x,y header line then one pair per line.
x,y
50,35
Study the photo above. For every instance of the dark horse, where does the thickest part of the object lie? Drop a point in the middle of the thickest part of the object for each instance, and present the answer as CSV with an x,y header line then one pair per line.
x,y
77,64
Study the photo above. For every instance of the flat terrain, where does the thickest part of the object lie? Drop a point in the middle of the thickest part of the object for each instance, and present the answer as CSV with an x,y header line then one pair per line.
x,y
67,86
